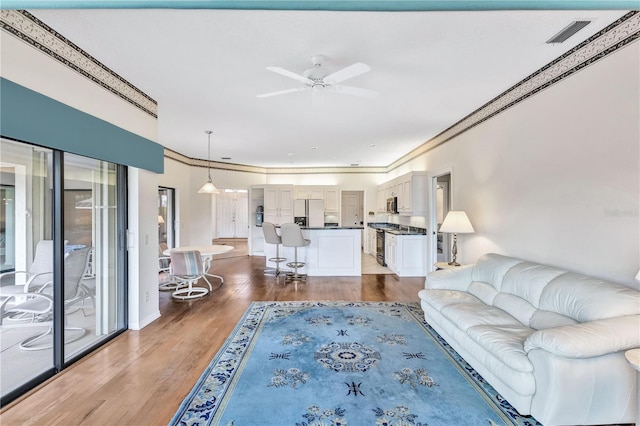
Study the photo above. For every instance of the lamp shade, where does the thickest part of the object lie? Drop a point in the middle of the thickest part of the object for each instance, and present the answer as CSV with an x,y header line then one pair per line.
x,y
208,188
160,219
456,222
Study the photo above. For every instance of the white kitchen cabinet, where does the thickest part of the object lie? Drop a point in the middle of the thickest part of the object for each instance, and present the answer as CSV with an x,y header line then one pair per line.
x,y
390,246
331,200
381,205
278,204
410,255
411,192
309,192
371,241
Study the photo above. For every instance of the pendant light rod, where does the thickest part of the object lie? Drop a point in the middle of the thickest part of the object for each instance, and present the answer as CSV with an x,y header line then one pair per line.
x,y
208,132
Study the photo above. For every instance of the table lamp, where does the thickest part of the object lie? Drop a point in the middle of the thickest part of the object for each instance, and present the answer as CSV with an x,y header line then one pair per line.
x,y
455,223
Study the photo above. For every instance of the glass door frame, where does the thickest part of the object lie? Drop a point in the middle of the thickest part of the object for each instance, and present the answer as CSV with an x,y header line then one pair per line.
x,y
59,362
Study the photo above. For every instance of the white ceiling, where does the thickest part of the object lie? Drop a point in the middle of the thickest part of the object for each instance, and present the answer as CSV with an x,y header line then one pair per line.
x,y
205,68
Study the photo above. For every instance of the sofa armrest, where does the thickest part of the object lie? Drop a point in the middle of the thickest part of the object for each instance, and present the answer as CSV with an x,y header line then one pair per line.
x,y
589,339
449,279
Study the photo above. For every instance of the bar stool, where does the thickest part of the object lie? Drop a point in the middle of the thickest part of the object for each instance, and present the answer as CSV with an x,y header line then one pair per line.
x,y
272,237
292,237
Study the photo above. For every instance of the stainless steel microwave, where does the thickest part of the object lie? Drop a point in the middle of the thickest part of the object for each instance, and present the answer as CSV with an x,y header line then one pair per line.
x,y
392,205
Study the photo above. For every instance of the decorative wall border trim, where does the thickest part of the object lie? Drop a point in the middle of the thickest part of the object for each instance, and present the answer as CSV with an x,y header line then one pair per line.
x,y
619,34
195,162
39,35
615,36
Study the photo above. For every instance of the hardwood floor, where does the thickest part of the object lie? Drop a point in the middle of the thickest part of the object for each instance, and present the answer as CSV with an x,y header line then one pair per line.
x,y
141,377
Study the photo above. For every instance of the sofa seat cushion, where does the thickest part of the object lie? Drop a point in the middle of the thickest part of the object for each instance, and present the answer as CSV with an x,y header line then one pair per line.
x,y
465,315
441,298
505,342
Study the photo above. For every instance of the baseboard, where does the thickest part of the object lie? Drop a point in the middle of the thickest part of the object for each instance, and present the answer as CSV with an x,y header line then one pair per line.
x,y
145,322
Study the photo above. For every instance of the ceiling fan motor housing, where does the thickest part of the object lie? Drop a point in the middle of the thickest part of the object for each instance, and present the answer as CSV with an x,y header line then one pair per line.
x,y
317,73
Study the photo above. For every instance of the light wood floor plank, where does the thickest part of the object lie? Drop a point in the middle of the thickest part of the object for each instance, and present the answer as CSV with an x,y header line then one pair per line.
x,y
141,377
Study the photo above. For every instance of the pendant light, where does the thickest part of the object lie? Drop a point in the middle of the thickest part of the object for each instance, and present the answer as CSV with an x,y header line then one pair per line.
x,y
209,187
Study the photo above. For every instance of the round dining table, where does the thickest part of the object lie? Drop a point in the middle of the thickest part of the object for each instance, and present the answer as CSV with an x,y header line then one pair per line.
x,y
207,253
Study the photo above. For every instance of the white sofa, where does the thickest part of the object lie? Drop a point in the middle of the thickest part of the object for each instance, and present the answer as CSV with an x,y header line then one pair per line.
x,y
549,341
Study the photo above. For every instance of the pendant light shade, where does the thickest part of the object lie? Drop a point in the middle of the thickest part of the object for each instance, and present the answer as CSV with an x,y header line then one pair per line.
x,y
209,187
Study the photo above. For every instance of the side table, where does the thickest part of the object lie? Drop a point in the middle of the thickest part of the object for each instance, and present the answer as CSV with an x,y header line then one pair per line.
x,y
445,265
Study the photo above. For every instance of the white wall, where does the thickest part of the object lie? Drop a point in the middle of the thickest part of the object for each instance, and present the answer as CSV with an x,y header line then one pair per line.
x,y
143,248
31,68
556,179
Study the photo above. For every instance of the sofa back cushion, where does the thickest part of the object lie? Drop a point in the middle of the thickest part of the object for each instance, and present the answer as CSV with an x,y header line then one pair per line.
x,y
488,274
587,299
541,296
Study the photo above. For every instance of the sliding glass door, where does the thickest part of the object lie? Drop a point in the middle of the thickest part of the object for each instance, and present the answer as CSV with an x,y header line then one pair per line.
x,y
27,262
62,222
91,227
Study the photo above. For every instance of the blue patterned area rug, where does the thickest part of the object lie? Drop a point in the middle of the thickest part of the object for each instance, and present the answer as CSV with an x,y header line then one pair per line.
x,y
340,363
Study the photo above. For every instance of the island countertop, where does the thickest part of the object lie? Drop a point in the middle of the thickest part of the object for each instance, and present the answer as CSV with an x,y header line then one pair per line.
x,y
332,251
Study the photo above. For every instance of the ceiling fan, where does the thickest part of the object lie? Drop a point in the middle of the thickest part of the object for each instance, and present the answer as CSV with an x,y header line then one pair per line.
x,y
317,79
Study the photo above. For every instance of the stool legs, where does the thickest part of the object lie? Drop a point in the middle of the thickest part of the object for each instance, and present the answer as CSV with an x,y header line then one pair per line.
x,y
277,260
295,276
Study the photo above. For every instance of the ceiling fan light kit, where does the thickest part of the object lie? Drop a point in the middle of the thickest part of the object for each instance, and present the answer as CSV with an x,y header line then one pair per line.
x,y
317,80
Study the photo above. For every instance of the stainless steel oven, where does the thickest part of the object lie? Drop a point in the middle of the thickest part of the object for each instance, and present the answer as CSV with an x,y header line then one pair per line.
x,y
380,247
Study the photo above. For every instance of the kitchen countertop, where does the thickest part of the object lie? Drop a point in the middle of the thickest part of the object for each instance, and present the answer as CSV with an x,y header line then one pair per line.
x,y
395,229
332,227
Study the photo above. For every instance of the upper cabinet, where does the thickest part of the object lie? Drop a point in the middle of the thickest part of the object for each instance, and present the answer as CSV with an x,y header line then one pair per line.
x,y
331,200
278,204
309,192
411,192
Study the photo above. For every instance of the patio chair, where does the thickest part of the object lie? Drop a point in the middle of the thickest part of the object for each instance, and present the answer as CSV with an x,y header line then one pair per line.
x,y
38,307
187,268
40,272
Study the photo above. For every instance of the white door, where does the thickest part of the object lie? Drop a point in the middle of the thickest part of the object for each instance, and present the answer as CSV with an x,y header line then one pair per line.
x,y
233,214
352,208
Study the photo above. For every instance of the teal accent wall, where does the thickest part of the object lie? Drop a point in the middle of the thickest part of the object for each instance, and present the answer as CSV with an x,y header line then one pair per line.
x,y
352,5
29,116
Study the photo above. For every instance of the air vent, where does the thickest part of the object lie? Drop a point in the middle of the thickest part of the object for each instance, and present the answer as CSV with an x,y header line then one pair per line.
x,y
568,31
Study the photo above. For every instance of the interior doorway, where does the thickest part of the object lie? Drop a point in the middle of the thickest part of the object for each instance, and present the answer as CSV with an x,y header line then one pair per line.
x,y
440,246
166,216
352,210
233,213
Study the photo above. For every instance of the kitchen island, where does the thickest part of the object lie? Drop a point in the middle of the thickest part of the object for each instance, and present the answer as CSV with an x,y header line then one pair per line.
x,y
334,251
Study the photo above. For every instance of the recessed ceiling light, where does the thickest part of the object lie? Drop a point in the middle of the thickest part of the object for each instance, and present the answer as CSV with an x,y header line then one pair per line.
x,y
314,147
354,164
291,154
371,145
225,158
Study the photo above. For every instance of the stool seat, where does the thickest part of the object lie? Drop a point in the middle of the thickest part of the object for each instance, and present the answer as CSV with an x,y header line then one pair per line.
x,y
291,235
272,237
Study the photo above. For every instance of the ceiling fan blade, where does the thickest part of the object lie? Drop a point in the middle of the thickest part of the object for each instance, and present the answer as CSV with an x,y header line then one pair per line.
x,y
355,91
290,74
346,73
281,92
